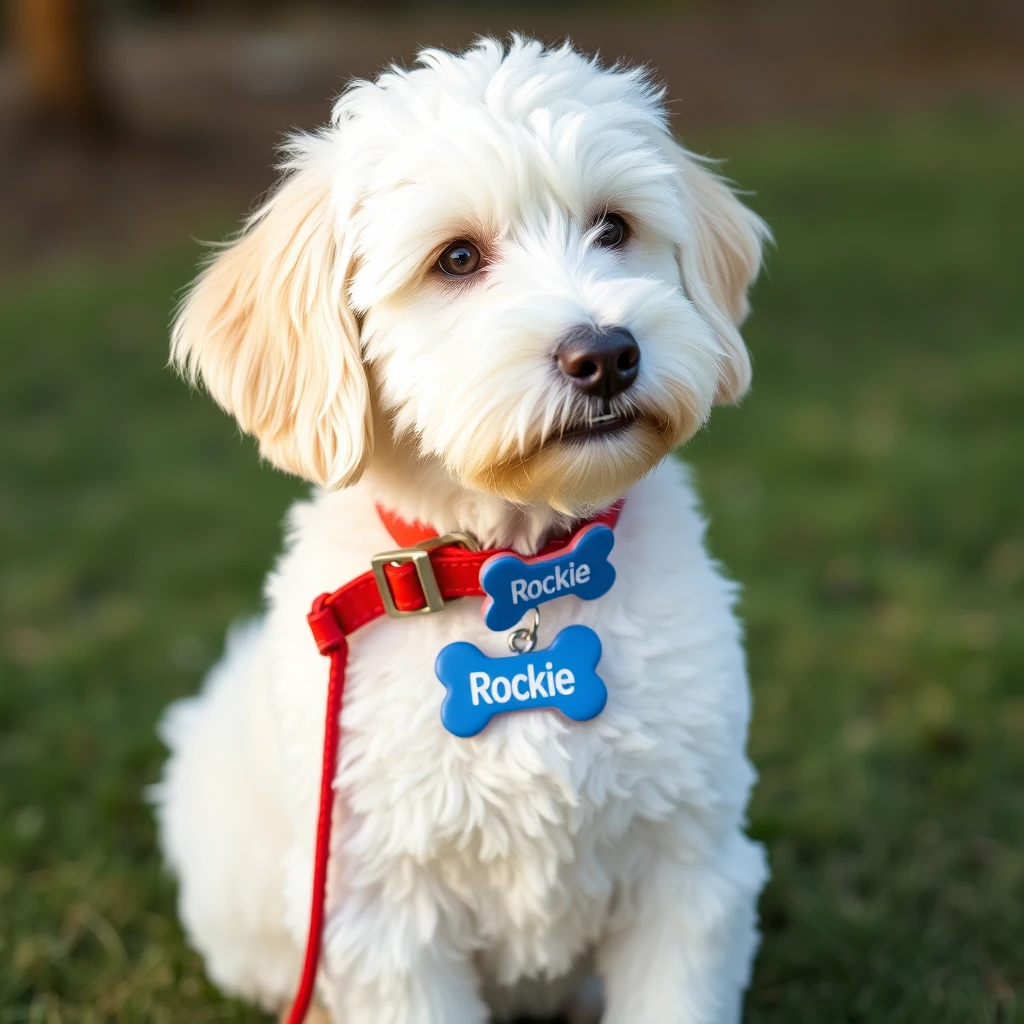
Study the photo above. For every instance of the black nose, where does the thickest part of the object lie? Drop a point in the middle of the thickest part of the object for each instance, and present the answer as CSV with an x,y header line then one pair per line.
x,y
600,362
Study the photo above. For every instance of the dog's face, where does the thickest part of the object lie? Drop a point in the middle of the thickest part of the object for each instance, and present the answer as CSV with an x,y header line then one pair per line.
x,y
505,259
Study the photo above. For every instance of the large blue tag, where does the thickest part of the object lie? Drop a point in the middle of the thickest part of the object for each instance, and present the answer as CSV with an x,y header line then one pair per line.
x,y
514,585
562,677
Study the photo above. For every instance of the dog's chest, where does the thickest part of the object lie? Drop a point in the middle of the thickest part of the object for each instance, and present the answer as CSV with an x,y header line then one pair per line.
x,y
521,837
526,825
527,836
539,856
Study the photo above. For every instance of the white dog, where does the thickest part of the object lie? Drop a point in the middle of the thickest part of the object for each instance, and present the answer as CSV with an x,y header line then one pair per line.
x,y
492,295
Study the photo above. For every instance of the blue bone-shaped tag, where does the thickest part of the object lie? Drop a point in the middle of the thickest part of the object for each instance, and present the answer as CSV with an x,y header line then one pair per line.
x,y
514,585
563,677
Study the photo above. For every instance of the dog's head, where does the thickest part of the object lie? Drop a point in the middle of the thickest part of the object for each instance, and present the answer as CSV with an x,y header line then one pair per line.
x,y
501,258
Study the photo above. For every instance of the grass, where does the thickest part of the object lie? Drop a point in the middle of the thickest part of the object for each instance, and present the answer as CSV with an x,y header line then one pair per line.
x,y
869,494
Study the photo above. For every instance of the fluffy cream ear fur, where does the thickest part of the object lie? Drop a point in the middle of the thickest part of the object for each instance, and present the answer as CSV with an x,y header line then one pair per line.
x,y
720,262
268,329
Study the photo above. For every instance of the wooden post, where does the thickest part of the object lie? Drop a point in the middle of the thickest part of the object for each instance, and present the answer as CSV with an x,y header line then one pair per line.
x,y
57,43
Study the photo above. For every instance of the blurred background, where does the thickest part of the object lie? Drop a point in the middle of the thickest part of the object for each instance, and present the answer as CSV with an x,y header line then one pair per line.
x,y
869,493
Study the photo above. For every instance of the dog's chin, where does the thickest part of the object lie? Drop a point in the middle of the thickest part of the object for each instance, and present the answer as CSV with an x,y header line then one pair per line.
x,y
582,469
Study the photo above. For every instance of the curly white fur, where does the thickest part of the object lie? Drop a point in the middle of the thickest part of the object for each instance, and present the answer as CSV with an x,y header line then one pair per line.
x,y
484,877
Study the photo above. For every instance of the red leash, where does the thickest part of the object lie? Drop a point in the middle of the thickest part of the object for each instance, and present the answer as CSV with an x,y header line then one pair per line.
x,y
425,568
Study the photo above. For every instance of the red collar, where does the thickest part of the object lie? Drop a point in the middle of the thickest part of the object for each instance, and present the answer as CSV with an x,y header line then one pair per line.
x,y
410,534
416,579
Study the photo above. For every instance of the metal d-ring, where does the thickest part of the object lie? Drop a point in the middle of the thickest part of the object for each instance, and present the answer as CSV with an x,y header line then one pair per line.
x,y
524,639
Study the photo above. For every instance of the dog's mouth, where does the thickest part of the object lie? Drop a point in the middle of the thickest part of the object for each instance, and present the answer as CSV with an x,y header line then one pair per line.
x,y
595,427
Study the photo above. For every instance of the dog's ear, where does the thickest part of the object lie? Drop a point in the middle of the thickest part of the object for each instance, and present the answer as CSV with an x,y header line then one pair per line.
x,y
268,330
718,261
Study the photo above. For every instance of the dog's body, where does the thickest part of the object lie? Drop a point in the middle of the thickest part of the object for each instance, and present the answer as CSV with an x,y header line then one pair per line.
x,y
516,854
483,876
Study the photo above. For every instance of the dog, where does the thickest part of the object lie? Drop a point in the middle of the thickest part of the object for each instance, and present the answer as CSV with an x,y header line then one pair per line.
x,y
493,295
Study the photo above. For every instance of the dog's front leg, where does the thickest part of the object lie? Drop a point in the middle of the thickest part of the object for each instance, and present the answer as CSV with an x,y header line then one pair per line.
x,y
681,951
394,962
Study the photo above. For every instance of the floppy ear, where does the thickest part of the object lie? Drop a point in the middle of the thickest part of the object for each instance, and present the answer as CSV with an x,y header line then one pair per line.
x,y
268,330
719,261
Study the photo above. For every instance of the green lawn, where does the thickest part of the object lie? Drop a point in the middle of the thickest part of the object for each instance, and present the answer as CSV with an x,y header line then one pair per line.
x,y
869,494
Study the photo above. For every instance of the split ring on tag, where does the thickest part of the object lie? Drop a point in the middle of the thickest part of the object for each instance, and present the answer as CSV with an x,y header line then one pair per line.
x,y
522,641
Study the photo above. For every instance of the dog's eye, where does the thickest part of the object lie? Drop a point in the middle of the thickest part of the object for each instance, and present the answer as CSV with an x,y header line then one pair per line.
x,y
612,231
460,259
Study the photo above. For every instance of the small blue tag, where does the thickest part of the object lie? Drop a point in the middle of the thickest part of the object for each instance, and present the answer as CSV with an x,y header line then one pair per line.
x,y
562,677
514,585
